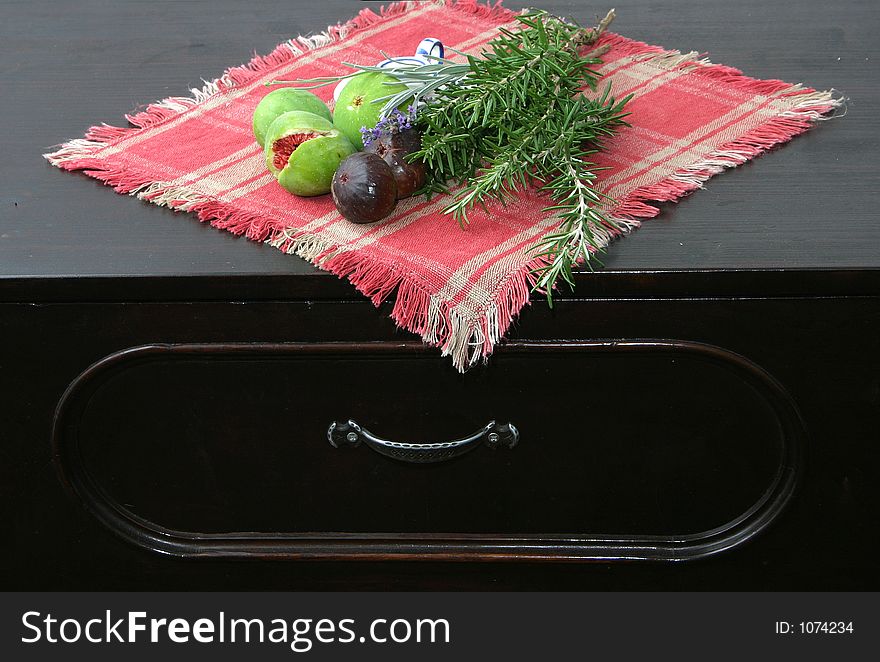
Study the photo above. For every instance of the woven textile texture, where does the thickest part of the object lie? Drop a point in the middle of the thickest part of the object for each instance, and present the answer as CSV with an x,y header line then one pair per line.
x,y
458,289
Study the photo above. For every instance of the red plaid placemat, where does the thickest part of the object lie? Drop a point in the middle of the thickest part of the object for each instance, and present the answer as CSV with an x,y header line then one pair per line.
x,y
459,290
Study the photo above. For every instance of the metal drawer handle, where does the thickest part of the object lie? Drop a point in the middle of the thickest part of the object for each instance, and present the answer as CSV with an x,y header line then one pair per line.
x,y
341,435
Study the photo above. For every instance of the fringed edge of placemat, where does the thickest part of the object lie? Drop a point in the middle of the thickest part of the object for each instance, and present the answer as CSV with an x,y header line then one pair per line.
x,y
809,106
460,336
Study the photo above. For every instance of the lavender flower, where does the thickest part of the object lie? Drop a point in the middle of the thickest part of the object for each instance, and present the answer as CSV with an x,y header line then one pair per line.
x,y
393,123
369,135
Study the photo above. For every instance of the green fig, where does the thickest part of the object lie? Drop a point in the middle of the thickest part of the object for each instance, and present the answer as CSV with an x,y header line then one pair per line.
x,y
355,107
282,100
303,151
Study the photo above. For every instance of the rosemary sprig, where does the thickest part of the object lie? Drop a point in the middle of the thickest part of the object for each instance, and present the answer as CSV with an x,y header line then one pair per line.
x,y
519,118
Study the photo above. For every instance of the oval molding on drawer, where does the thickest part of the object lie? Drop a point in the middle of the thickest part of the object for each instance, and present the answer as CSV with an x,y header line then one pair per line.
x,y
680,450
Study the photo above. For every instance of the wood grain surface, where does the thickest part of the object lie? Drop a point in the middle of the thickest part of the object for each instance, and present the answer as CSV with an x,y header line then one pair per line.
x,y
64,66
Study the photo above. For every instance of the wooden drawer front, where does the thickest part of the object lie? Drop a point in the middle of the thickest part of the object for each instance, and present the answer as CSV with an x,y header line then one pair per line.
x,y
626,450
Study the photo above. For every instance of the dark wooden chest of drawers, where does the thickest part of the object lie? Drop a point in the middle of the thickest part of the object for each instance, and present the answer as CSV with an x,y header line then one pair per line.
x,y
659,430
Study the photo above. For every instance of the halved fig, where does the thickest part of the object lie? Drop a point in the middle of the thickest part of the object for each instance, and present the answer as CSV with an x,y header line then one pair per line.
x,y
303,151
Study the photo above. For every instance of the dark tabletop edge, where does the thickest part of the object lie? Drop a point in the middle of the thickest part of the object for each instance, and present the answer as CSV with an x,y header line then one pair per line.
x,y
636,284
